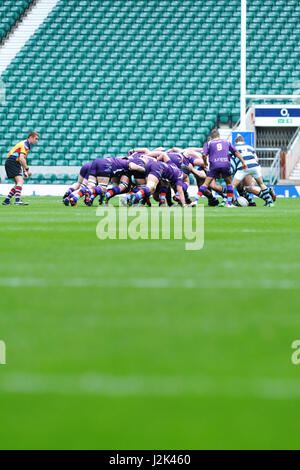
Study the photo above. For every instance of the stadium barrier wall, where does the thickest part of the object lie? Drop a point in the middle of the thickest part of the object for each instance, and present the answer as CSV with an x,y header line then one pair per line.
x,y
60,189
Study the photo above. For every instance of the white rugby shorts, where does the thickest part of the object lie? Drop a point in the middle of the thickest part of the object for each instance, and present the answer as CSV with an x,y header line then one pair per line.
x,y
254,171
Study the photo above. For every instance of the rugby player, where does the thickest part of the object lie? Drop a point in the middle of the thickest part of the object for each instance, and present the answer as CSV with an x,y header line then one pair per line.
x,y
217,151
156,171
15,164
191,160
177,158
80,184
253,170
101,171
137,177
247,187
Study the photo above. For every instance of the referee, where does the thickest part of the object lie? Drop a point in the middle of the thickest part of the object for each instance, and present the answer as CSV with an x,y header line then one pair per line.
x,y
15,164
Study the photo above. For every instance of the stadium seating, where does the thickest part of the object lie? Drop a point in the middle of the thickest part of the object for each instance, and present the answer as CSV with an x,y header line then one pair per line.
x,y
10,12
98,78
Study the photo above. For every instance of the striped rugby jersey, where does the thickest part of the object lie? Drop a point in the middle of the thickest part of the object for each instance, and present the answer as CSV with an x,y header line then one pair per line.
x,y
247,153
20,147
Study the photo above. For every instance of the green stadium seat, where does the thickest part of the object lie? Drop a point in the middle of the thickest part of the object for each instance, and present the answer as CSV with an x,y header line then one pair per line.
x,y
92,83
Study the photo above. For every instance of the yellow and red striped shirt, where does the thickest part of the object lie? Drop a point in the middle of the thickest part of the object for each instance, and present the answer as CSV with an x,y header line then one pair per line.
x,y
20,147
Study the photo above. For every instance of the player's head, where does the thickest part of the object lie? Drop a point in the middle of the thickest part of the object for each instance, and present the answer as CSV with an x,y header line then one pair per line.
x,y
214,134
239,139
33,137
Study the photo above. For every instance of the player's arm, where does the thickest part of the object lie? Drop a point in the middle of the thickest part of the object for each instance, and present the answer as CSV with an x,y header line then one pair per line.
x,y
180,194
155,153
25,168
204,156
199,173
141,150
256,157
194,149
237,154
198,160
192,153
134,167
163,157
175,149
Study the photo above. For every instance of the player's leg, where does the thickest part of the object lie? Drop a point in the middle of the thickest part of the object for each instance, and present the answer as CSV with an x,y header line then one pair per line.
x,y
218,188
14,171
10,195
19,186
204,191
84,185
244,193
201,188
264,193
155,195
185,186
73,188
96,187
169,197
81,183
140,183
146,191
229,190
77,194
113,182
120,188
162,193
272,194
244,182
247,189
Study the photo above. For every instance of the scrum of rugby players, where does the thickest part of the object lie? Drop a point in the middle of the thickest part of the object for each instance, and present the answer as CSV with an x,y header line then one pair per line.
x,y
144,173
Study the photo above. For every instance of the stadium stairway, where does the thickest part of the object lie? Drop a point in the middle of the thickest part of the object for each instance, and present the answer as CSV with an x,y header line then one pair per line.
x,y
295,174
98,78
29,24
10,13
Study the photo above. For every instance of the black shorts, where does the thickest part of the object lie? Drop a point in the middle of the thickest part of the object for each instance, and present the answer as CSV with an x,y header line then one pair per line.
x,y
13,168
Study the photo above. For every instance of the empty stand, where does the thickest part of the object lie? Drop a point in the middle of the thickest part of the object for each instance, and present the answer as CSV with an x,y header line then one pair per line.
x,y
10,12
98,78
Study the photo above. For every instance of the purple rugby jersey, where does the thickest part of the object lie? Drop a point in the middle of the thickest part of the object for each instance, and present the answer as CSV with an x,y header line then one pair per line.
x,y
136,158
186,162
218,151
85,170
119,165
108,166
165,171
137,154
189,159
176,158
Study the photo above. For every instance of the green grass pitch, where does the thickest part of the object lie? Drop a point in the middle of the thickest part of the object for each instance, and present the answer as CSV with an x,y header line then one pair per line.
x,y
123,344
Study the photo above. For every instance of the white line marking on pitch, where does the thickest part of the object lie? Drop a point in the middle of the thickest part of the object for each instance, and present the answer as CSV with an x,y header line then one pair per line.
x,y
96,384
150,283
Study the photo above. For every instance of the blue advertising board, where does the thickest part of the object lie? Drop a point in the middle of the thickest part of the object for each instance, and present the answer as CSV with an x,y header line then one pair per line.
x,y
281,112
276,115
287,191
